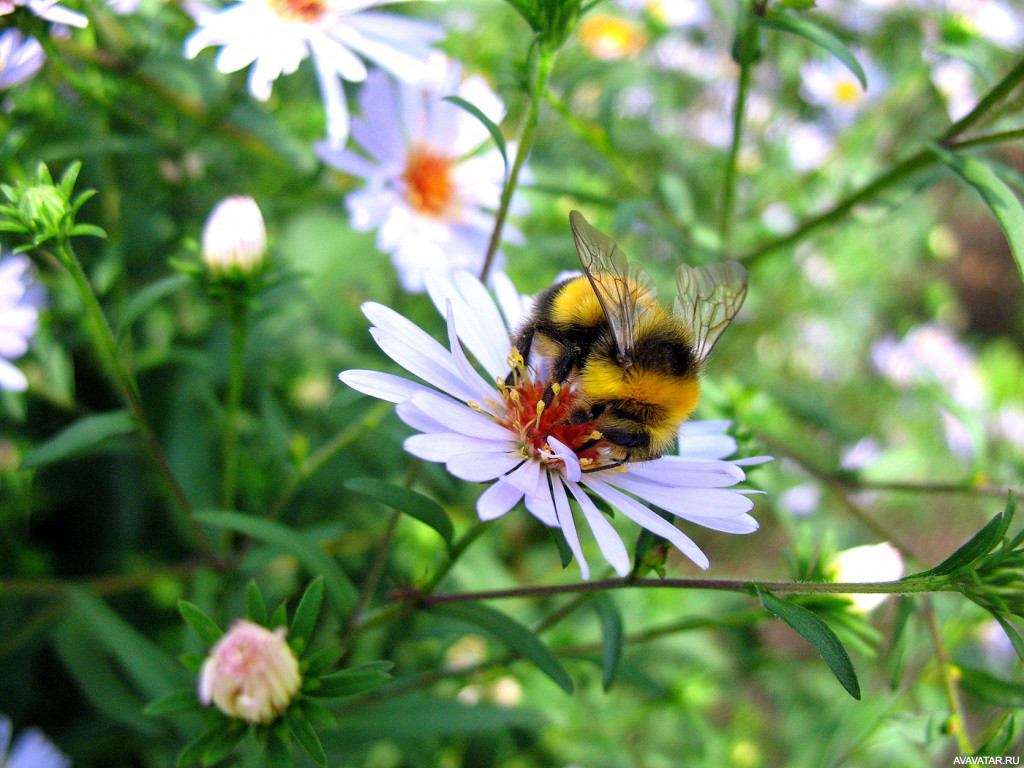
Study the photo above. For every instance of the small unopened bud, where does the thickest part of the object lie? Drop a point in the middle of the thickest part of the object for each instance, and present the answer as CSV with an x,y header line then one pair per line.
x,y
234,238
251,673
870,562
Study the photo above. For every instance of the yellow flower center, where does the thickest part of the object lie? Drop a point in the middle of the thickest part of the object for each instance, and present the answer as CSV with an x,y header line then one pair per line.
x,y
299,10
610,38
428,181
847,93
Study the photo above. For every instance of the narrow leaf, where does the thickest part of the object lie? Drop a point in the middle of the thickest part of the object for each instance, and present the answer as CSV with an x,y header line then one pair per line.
x,y
611,637
349,682
306,614
1000,198
182,700
1002,693
149,297
818,634
977,547
513,634
306,736
416,505
489,124
788,21
1002,738
1016,640
79,438
320,661
255,606
339,587
205,627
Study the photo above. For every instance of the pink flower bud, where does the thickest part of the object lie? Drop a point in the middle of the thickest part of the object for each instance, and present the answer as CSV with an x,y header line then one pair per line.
x,y
251,673
234,237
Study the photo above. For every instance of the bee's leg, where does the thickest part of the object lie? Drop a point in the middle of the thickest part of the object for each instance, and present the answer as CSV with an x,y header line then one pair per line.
x,y
562,370
626,439
523,343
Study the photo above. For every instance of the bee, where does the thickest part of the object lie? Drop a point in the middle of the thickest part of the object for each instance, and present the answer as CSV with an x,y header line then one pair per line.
x,y
636,364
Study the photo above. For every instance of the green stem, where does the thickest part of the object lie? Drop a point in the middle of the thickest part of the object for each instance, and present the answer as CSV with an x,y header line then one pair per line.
x,y
957,723
907,167
106,347
909,586
545,63
239,311
746,45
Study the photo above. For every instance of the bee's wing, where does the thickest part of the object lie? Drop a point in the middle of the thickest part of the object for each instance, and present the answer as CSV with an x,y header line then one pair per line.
x,y
708,299
621,283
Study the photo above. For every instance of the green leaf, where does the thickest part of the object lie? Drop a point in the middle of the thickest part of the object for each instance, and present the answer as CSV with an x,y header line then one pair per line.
x,y
513,634
489,124
306,736
901,639
348,682
414,504
1002,693
80,438
220,745
255,606
342,591
611,637
316,713
1003,735
977,547
788,21
182,700
205,627
147,298
306,615
320,661
1016,639
1000,198
816,632
564,551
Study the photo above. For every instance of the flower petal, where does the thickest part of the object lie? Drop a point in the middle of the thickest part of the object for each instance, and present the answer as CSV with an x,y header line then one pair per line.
x,y
644,517
568,526
487,393
685,502
385,386
460,418
443,446
482,466
497,500
607,538
573,473
688,473
541,506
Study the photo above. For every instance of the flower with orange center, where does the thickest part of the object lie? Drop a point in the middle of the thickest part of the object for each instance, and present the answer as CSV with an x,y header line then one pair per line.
x,y
430,191
524,449
832,85
275,36
609,37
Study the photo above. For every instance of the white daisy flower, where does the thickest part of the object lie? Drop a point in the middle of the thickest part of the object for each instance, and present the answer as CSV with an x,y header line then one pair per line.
x,y
50,10
20,58
30,750
830,84
429,193
19,316
487,432
274,36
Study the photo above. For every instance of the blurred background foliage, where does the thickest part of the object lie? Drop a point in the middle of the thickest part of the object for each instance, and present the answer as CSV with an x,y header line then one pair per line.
x,y
878,359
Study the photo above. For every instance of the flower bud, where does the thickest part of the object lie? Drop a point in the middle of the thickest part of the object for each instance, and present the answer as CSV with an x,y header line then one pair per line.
x,y
234,238
870,562
251,673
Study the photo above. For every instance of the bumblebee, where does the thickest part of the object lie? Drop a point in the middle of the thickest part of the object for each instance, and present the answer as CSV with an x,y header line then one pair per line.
x,y
636,365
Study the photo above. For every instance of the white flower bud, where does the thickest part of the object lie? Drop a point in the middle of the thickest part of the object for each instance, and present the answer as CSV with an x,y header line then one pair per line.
x,y
251,673
234,237
870,562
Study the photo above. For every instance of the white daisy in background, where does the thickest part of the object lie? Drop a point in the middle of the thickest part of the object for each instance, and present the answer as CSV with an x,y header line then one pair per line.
x,y
832,86
994,20
30,750
487,432
19,316
46,9
429,190
274,36
20,58
954,80
866,563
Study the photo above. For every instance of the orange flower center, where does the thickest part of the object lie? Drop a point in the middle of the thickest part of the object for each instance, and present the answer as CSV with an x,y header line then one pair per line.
x,y
534,422
298,10
428,181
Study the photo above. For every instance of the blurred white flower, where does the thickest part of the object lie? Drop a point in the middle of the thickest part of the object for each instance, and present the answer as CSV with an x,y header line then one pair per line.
x,y
809,145
234,238
50,10
831,85
19,316
251,673
930,354
429,192
866,563
801,500
996,644
994,20
958,437
610,38
20,57
1011,425
274,36
860,455
706,63
499,436
30,750
954,80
